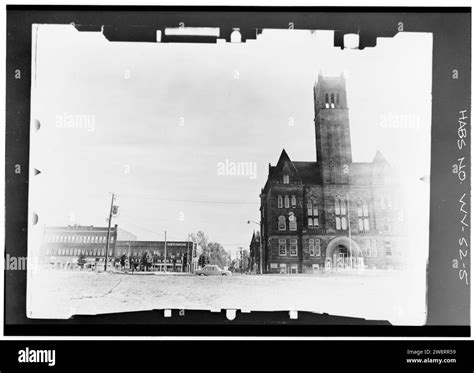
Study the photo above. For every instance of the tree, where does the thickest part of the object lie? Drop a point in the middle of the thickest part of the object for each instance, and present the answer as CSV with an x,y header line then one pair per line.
x,y
203,260
123,260
185,261
81,261
212,252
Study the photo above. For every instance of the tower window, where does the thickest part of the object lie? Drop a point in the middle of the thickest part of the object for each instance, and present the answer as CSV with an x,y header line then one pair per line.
x,y
281,223
341,214
286,179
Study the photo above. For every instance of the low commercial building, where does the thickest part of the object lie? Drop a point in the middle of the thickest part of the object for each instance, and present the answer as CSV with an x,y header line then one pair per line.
x,y
76,246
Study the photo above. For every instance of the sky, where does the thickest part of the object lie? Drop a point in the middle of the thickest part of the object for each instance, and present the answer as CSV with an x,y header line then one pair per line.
x,y
160,124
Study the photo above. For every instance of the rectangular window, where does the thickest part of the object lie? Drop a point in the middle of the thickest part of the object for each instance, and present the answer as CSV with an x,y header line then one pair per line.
x,y
363,217
280,202
282,268
318,247
293,247
294,268
312,250
340,212
274,265
338,207
388,248
368,248
313,214
374,248
293,201
282,247
344,223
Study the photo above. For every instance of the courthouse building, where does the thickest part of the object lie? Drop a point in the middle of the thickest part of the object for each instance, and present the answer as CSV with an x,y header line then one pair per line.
x,y
331,213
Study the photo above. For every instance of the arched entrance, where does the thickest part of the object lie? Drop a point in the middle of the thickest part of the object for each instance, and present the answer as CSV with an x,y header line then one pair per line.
x,y
343,252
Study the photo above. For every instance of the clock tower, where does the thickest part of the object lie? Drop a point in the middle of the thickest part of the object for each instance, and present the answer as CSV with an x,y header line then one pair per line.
x,y
333,140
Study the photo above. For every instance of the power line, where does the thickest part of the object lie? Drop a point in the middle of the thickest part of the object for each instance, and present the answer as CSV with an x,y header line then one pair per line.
x,y
196,201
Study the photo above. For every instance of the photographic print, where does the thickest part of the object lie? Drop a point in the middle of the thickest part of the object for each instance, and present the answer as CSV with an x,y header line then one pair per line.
x,y
275,174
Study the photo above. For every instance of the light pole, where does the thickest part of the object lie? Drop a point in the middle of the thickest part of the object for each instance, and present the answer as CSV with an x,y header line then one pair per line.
x,y
108,233
260,241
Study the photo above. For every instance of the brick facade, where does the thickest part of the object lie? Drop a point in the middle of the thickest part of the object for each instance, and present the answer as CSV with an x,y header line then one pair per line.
x,y
332,212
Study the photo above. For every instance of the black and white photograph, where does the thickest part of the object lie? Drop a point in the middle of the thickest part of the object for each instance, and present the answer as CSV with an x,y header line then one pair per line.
x,y
280,173
197,184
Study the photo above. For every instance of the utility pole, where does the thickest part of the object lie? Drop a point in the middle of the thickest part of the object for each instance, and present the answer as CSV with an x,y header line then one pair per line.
x,y
165,252
349,226
108,233
187,255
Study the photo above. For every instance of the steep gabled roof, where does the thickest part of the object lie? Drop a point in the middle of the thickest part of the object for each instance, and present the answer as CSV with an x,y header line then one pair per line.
x,y
309,172
285,158
379,158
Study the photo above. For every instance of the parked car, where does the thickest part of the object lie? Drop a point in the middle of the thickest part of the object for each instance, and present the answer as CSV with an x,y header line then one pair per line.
x,y
212,270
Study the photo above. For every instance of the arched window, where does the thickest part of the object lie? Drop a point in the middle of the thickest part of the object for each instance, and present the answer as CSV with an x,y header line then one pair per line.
x,y
280,202
286,179
292,219
337,99
287,202
332,101
281,223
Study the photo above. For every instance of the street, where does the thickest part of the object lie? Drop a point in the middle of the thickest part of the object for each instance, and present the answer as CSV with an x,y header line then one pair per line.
x,y
383,296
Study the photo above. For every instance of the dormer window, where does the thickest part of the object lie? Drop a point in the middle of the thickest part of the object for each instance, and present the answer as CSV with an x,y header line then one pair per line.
x,y
286,179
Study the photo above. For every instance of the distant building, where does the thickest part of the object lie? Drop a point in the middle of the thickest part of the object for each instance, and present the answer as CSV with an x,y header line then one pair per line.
x,y
177,254
331,213
63,246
